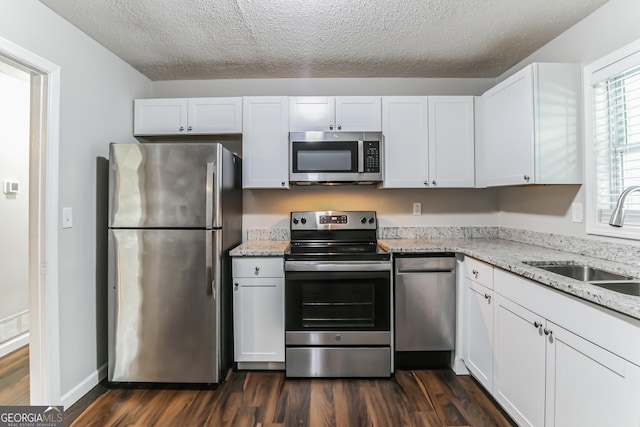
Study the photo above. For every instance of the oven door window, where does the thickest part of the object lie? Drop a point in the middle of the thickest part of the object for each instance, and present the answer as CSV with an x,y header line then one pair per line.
x,y
319,157
337,301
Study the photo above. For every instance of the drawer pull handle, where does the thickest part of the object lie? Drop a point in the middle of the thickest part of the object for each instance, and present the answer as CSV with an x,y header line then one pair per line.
x,y
547,331
475,273
488,298
537,324
257,271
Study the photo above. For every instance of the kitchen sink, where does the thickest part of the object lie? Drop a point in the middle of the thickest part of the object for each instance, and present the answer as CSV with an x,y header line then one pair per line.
x,y
624,287
580,272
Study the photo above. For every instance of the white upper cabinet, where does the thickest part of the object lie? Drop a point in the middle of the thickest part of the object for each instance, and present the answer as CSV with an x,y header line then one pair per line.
x,y
406,141
532,127
265,142
160,116
328,113
187,116
429,141
451,141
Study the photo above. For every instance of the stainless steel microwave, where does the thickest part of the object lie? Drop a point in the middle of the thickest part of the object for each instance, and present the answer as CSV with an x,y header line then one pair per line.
x,y
335,157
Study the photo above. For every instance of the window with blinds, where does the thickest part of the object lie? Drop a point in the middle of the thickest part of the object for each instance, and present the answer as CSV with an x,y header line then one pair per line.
x,y
612,140
616,139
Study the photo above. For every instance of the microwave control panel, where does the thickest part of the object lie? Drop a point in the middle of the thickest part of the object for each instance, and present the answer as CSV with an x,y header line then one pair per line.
x,y
372,156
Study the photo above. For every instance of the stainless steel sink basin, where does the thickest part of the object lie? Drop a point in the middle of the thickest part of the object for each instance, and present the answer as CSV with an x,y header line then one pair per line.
x,y
583,273
629,287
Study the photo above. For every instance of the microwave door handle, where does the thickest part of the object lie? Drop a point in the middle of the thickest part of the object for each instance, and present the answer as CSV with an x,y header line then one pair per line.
x,y
360,156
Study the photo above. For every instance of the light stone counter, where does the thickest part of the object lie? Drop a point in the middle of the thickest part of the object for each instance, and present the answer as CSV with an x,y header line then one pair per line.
x,y
261,248
509,256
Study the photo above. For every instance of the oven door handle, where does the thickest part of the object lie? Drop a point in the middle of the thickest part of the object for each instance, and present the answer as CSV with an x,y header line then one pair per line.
x,y
337,266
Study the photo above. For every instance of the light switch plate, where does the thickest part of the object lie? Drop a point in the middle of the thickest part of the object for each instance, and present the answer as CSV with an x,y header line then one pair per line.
x,y
67,217
576,212
417,208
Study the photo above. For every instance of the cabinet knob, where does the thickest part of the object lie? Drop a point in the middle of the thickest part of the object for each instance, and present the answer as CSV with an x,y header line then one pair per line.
x,y
426,183
330,127
236,285
434,182
257,271
488,298
190,128
181,129
339,127
547,331
475,273
527,178
282,183
537,324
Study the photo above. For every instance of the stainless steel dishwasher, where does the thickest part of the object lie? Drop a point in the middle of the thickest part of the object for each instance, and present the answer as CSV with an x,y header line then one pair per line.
x,y
425,307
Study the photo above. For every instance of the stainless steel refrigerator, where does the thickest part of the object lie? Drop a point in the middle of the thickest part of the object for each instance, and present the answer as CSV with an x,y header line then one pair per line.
x,y
175,211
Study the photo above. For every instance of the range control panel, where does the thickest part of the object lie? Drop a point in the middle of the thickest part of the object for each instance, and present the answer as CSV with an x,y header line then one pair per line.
x,y
325,220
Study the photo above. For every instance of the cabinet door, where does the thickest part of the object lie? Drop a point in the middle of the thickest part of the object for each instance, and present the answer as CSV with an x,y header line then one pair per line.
x,y
519,362
509,131
308,113
358,113
160,116
587,385
258,319
451,141
265,142
406,141
479,333
215,115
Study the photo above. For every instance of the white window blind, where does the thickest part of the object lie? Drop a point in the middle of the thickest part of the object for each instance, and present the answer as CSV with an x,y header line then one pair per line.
x,y
616,139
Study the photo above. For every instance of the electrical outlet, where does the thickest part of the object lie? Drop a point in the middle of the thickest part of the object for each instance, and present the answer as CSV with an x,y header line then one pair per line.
x,y
417,208
576,212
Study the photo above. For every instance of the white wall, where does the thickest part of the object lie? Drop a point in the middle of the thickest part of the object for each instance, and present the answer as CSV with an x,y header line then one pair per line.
x,y
548,208
96,108
440,207
14,208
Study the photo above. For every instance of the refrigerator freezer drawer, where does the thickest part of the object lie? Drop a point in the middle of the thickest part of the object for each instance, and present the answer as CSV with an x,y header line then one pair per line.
x,y
164,306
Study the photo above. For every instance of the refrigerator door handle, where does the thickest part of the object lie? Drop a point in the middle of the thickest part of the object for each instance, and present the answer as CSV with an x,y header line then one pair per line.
x,y
213,203
209,196
209,263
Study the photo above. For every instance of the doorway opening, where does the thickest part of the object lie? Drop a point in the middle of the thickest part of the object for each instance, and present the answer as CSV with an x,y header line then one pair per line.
x,y
42,246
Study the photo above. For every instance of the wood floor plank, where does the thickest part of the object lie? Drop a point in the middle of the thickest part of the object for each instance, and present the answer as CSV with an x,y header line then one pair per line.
x,y
321,406
268,399
14,377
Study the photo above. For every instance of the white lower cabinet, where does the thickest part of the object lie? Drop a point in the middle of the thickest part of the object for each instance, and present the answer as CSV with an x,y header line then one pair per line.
x,y
478,347
258,309
588,385
519,362
548,375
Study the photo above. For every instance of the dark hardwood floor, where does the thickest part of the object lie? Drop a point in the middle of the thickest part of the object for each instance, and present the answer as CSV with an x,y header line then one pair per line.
x,y
267,399
14,378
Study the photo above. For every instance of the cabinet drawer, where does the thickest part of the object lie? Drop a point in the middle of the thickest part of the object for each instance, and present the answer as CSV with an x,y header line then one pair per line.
x,y
478,271
258,267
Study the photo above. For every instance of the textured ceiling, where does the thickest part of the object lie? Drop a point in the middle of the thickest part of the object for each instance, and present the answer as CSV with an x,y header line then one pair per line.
x,y
217,39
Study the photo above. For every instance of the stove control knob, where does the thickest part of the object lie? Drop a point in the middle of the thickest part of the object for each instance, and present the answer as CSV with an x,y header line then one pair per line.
x,y
363,220
371,220
295,220
303,220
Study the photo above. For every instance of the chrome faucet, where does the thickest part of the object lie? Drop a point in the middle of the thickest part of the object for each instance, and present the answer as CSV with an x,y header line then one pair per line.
x,y
617,217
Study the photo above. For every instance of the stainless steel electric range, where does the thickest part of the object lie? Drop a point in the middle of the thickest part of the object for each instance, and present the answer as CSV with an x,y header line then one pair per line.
x,y
338,297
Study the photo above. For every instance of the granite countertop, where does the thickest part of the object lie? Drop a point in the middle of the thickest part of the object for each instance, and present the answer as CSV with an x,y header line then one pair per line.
x,y
260,248
509,255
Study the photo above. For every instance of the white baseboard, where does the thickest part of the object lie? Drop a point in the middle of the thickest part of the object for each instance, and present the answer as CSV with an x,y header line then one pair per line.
x,y
14,343
459,368
84,387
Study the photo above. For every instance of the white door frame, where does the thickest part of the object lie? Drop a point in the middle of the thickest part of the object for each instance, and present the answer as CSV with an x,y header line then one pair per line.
x,y
44,351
